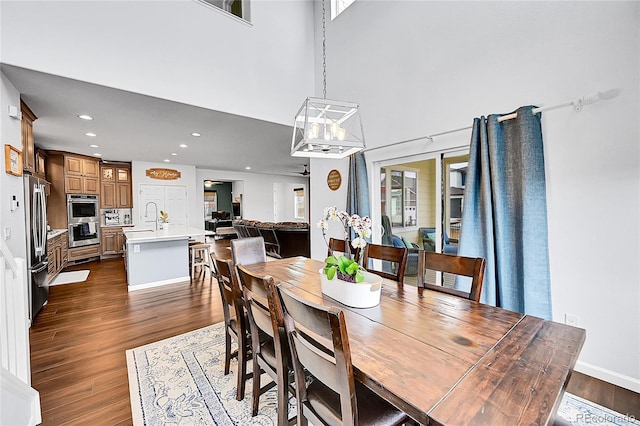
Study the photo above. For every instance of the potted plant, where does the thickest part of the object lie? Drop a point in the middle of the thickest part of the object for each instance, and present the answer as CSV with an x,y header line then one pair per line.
x,y
342,277
164,220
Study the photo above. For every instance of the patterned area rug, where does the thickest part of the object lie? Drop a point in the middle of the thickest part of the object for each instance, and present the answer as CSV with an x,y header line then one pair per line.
x,y
181,381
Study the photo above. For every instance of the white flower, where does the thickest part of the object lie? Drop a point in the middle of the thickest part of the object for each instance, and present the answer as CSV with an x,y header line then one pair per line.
x,y
358,243
323,224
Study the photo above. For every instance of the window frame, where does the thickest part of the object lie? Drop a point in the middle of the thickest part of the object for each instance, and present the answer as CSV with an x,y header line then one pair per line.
x,y
388,193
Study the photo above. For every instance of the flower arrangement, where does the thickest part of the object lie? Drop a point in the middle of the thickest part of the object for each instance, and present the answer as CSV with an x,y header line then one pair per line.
x,y
164,217
346,267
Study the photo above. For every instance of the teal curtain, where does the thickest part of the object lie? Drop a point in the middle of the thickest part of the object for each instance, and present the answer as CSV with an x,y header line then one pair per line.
x,y
505,212
358,186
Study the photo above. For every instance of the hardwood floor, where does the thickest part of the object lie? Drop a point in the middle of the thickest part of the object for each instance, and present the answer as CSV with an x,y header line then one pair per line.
x,y
78,340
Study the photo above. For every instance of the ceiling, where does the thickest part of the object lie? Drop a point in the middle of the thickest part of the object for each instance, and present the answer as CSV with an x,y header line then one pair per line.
x,y
134,127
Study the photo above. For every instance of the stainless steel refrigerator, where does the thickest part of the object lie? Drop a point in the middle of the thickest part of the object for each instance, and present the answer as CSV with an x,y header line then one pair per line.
x,y
35,207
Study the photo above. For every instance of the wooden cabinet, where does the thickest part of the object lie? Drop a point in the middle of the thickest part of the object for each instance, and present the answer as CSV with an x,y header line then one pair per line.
x,y
40,162
28,147
112,240
57,253
83,253
81,175
115,187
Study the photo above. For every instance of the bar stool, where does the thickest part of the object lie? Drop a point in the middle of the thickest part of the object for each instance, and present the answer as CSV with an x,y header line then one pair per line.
x,y
199,257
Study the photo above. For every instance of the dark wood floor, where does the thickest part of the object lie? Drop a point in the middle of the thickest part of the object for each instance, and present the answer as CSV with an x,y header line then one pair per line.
x,y
78,340
78,343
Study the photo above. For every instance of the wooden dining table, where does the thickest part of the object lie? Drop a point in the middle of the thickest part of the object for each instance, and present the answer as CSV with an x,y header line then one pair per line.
x,y
445,360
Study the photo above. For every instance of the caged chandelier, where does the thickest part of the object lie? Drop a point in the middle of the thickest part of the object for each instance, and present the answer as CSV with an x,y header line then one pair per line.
x,y
326,128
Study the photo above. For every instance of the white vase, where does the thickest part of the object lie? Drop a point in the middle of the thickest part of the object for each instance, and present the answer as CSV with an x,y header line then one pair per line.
x,y
165,227
355,295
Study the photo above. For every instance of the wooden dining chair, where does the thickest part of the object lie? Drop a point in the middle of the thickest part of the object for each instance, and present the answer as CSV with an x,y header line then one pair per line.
x,y
338,247
268,340
459,265
247,251
319,346
396,255
236,324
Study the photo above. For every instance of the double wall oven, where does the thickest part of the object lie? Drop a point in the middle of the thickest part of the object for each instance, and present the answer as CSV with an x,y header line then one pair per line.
x,y
83,217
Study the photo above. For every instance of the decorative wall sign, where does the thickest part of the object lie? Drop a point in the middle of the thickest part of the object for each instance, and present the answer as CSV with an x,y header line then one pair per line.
x,y
334,179
163,174
12,160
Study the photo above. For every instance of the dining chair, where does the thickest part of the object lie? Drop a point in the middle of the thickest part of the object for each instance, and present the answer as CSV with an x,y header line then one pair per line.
x,y
271,351
396,255
247,251
236,325
459,265
319,345
337,245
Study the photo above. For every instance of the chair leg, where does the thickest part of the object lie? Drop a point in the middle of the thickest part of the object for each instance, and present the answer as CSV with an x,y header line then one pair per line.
x,y
283,397
242,369
256,386
227,352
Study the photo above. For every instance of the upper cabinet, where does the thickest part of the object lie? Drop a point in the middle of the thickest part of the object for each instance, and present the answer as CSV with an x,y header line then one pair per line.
x,y
28,147
115,186
81,175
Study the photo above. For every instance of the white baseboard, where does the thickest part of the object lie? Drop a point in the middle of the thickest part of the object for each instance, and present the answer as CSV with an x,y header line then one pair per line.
x,y
608,376
159,283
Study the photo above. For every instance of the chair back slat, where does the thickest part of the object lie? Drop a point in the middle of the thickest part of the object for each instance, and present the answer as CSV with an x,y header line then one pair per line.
x,y
397,255
256,299
472,267
247,251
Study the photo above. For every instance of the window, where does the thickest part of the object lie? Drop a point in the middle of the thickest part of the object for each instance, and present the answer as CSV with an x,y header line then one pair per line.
x,y
400,201
338,6
238,8
299,203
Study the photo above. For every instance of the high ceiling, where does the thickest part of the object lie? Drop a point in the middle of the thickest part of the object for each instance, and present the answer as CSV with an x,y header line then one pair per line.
x,y
134,127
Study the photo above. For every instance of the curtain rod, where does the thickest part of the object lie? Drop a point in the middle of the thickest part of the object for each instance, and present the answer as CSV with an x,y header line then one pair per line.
x,y
576,103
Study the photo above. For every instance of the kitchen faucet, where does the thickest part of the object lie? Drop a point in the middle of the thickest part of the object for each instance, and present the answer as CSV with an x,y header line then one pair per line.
x,y
146,212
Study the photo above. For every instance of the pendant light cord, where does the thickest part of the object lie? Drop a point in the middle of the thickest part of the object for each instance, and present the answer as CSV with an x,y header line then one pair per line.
x,y
324,55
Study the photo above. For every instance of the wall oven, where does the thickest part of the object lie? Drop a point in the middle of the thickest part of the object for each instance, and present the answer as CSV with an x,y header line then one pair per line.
x,y
83,217
82,208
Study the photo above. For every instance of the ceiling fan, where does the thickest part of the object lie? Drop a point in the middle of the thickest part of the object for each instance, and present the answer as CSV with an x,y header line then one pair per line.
x,y
304,172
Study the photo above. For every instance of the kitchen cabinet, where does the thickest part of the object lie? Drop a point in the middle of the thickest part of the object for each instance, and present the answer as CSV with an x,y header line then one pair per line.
x,y
40,161
28,147
83,253
112,240
81,175
57,254
115,187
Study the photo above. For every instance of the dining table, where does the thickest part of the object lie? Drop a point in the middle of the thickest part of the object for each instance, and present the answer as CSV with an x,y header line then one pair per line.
x,y
445,360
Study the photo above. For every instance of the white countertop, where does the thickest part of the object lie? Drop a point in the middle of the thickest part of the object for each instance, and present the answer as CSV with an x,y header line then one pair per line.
x,y
55,233
144,235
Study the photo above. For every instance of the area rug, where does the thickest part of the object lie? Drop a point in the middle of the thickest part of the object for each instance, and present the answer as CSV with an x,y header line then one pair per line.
x,y
181,381
70,277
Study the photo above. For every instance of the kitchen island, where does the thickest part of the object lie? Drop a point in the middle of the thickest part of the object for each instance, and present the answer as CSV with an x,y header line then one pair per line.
x,y
155,258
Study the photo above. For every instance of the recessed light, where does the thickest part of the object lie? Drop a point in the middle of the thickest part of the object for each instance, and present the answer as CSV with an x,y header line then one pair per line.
x,y
182,145
93,135
174,153
93,146
196,134
248,168
85,117
97,154
166,160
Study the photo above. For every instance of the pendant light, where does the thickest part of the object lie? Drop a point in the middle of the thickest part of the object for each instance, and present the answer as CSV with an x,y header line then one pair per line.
x,y
326,128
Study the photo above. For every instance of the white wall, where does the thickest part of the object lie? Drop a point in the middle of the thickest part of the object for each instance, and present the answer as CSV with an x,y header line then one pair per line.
x,y
176,50
11,133
283,195
187,178
422,67
256,190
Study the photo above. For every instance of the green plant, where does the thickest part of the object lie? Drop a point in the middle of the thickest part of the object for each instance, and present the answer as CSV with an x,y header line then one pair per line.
x,y
164,217
346,269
